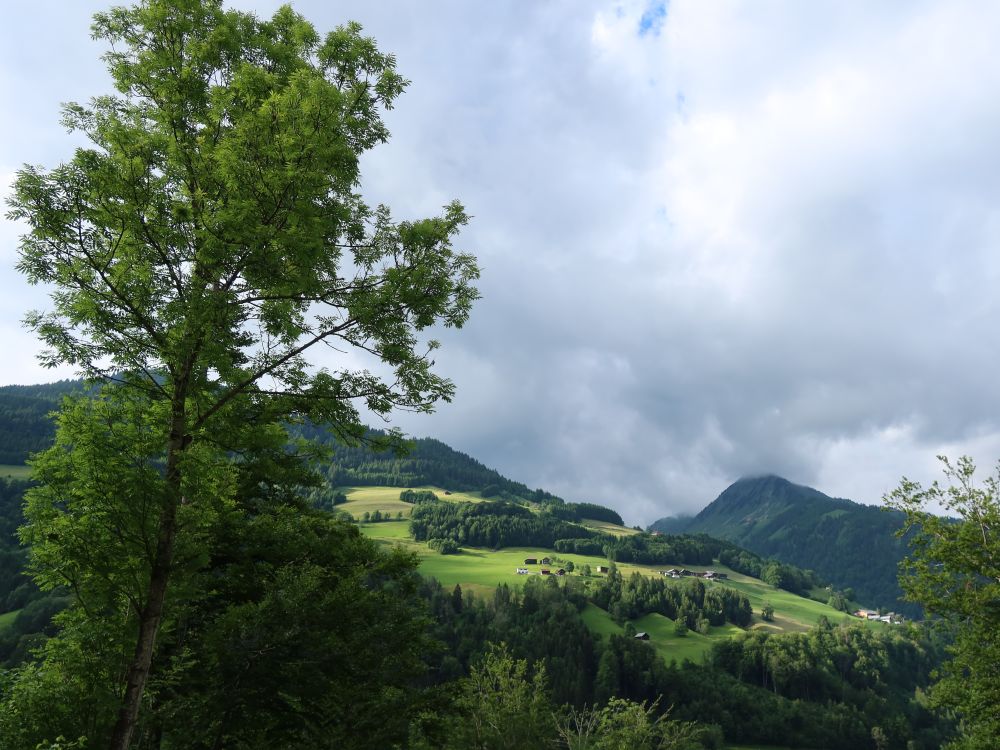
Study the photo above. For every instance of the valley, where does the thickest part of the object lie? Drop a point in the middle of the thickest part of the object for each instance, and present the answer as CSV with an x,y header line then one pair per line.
x,y
481,570
809,675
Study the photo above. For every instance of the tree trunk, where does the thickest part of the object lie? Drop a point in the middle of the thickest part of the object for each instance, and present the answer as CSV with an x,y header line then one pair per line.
x,y
159,576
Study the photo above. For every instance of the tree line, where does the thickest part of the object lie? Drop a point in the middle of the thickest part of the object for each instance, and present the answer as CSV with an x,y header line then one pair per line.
x,y
688,600
832,692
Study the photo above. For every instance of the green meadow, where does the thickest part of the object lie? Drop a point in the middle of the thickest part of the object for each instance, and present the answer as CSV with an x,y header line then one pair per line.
x,y
15,471
609,528
7,619
386,499
482,570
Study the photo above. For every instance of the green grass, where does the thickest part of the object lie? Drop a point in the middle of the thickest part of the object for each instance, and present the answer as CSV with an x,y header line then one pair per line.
x,y
791,613
15,471
386,499
692,646
7,619
600,621
481,570
608,528
673,647
387,530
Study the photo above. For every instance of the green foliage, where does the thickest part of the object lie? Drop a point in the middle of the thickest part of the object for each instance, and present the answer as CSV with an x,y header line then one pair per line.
x,y
626,725
489,524
581,512
291,616
418,496
16,588
953,570
876,672
26,424
687,601
767,612
444,546
208,237
504,707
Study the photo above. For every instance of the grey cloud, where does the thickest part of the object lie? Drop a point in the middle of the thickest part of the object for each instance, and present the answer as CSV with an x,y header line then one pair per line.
x,y
792,272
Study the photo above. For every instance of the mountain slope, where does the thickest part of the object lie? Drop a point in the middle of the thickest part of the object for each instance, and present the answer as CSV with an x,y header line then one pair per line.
x,y
26,427
852,545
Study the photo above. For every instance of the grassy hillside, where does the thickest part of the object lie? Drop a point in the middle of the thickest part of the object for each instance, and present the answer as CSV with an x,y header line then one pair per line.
x,y
482,570
851,545
15,471
386,499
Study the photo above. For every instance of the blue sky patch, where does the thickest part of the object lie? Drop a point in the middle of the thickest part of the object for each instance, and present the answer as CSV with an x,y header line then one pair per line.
x,y
652,20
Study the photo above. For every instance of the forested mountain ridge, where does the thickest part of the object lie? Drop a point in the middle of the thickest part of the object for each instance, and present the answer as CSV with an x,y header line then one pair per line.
x,y
26,427
25,424
852,545
428,462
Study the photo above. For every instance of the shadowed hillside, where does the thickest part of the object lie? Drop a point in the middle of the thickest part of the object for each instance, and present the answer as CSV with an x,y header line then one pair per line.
x,y
852,545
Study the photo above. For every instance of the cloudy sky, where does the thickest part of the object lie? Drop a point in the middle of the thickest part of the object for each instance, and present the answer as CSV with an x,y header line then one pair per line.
x,y
717,238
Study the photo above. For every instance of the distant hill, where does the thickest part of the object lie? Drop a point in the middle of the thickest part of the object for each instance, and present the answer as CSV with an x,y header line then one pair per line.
x,y
25,425
429,462
851,545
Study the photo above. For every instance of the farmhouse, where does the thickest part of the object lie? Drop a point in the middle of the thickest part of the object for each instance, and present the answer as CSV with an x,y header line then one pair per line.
x,y
522,571
712,575
546,561
561,572
546,572
531,561
602,568
643,636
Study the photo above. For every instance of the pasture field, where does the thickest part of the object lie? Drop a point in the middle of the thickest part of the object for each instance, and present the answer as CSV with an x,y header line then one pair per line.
x,y
608,528
7,619
791,613
15,471
386,499
482,570
671,647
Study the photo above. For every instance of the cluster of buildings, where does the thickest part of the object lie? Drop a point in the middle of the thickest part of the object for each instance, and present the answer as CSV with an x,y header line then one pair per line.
x,y
870,614
684,572
543,571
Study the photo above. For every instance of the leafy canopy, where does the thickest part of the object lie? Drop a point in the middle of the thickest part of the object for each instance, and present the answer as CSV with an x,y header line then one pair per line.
x,y
954,572
213,232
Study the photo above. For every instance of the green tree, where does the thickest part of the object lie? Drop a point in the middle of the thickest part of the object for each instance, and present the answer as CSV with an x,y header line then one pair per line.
x,y
767,612
211,237
626,725
270,598
503,707
953,570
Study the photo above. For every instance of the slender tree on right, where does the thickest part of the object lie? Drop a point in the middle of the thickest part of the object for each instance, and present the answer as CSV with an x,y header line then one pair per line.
x,y
953,571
